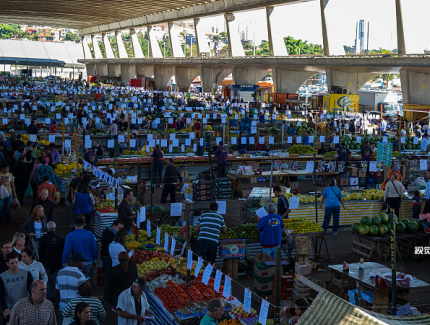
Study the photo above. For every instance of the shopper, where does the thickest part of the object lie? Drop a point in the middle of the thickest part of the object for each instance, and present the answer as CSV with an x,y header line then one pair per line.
x,y
332,196
117,246
6,179
82,315
44,170
194,243
427,193
121,277
393,195
14,284
48,205
125,211
36,268
21,179
416,205
51,248
221,159
343,153
300,306
158,161
270,228
366,152
51,188
6,248
35,309
283,206
83,242
86,294
209,226
36,224
18,243
214,312
171,176
84,204
133,306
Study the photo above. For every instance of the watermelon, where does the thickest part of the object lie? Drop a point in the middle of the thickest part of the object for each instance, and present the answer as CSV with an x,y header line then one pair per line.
x,y
376,221
373,230
366,221
355,227
412,226
400,227
384,218
383,229
363,229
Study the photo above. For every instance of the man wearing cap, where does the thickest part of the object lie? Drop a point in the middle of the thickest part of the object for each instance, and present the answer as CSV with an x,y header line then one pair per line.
x,y
81,241
68,281
133,306
194,243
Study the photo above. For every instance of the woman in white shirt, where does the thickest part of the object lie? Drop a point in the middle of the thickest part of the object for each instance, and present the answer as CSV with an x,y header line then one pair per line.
x,y
118,246
34,267
393,194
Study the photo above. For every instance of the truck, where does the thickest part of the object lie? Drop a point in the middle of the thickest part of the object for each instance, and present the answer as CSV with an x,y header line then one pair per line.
x,y
375,100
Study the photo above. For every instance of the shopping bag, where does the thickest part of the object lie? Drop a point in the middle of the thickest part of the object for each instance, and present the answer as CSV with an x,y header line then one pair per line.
x,y
4,193
15,204
29,192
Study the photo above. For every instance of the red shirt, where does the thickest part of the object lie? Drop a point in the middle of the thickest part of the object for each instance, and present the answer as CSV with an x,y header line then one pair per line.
x,y
53,128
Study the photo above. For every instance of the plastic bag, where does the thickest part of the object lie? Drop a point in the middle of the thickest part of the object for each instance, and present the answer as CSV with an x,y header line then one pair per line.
x,y
15,204
4,193
29,192
402,280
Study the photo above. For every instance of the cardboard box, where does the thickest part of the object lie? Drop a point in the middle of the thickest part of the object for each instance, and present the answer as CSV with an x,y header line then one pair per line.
x,y
197,197
297,295
353,296
353,181
303,268
202,192
377,175
299,284
343,181
362,173
367,296
232,249
264,271
263,286
199,186
353,171
299,290
355,187
303,245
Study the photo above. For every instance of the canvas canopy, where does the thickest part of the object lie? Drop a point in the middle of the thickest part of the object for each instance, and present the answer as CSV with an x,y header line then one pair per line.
x,y
41,53
329,309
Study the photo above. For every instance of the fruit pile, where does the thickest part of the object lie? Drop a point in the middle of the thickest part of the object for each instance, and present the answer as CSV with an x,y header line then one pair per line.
x,y
230,322
151,264
101,204
301,149
247,231
301,225
240,312
380,225
366,194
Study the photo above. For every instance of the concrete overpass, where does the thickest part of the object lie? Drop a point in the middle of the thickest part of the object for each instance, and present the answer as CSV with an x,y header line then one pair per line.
x,y
349,72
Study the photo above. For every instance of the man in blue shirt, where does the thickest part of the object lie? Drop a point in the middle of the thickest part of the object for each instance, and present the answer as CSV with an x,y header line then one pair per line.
x,y
427,194
221,159
270,228
306,138
425,142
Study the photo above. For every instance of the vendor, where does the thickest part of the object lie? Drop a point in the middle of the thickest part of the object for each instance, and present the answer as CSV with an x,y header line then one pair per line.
x,y
427,194
194,243
300,306
221,159
125,211
366,152
283,205
214,312
394,170
270,228
343,152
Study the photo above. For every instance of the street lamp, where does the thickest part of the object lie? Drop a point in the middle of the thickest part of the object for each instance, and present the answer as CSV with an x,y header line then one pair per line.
x,y
164,48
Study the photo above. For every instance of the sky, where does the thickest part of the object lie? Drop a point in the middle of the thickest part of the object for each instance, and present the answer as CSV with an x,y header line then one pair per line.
x,y
303,21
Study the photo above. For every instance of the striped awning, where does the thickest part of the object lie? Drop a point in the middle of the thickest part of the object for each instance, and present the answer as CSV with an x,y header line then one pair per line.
x,y
329,309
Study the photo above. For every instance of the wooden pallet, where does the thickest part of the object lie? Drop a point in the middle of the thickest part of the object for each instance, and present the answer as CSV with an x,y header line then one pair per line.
x,y
365,248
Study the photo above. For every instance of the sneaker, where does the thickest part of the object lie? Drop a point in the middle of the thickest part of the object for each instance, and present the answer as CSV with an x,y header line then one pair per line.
x,y
334,233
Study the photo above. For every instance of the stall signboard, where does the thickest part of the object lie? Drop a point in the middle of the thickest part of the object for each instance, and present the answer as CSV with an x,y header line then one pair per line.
x,y
232,249
341,103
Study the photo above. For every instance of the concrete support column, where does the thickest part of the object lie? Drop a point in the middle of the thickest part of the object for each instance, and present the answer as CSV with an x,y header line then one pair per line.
x,y
122,53
201,40
415,85
91,69
350,80
128,71
154,48
86,48
401,43
107,46
323,4
184,77
145,70
102,70
175,44
114,69
247,76
162,76
289,81
276,41
211,78
97,52
235,47
137,49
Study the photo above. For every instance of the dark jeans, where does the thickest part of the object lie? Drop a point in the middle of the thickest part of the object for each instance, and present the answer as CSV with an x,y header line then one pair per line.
x,y
107,267
34,187
207,250
327,217
5,208
21,187
394,203
222,170
52,278
89,272
158,170
168,189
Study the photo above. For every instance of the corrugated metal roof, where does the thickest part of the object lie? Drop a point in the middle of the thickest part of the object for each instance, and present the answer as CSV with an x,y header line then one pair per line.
x,y
41,53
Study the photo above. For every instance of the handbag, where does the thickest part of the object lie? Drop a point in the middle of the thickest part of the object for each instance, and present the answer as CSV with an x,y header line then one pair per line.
x,y
4,193
29,192
400,197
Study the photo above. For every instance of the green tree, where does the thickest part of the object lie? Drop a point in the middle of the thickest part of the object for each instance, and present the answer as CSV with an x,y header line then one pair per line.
x,y
9,31
166,51
114,46
72,37
143,41
223,36
223,51
299,47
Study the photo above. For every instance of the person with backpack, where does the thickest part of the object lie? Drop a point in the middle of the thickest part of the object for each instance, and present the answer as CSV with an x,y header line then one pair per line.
x,y
332,196
343,153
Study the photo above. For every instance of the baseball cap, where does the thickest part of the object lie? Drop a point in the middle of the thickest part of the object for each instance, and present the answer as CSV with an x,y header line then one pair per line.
x,y
183,229
79,257
140,281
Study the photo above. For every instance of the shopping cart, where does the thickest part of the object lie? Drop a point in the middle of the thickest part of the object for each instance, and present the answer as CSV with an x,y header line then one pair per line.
x,y
35,245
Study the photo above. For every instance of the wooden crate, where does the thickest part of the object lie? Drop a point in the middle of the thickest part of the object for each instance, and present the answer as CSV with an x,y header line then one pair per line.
x,y
364,247
382,309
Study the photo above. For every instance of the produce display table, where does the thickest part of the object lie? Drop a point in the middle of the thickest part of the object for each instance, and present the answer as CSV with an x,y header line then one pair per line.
x,y
102,220
156,307
165,211
347,280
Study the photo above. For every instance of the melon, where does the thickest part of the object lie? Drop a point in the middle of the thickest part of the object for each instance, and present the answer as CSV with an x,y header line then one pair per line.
x,y
405,221
366,221
400,227
363,229
373,230
412,226
384,218
355,227
61,167
376,221
383,229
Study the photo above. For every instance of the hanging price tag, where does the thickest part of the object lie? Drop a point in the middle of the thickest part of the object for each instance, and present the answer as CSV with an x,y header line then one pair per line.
x,y
158,238
190,259
148,228
264,309
166,242
217,282
198,266
358,139
227,287
172,247
247,301
207,273
142,214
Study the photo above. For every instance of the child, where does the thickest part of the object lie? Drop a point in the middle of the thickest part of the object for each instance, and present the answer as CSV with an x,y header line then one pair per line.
x,y
301,305
416,205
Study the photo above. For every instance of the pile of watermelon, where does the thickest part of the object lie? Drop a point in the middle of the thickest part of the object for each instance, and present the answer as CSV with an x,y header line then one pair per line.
x,y
372,226
380,225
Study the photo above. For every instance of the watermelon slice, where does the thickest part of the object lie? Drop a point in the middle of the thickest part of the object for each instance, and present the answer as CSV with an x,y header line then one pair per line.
x,y
427,230
345,266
